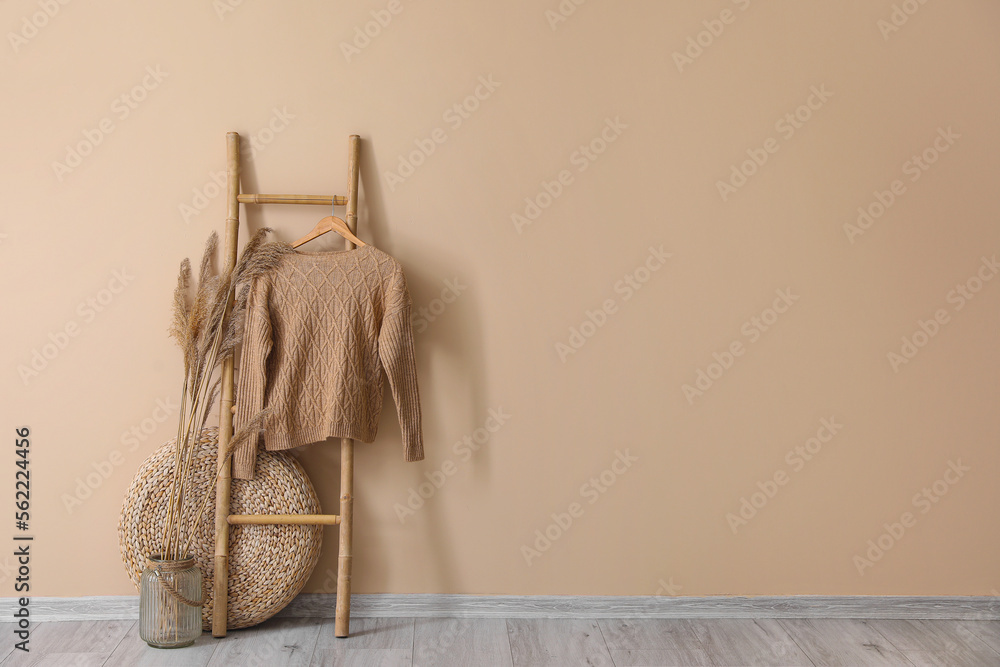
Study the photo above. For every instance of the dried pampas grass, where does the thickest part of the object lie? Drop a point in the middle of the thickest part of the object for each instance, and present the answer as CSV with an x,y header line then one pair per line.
x,y
207,337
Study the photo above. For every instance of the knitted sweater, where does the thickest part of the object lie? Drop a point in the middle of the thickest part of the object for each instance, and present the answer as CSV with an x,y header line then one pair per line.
x,y
320,328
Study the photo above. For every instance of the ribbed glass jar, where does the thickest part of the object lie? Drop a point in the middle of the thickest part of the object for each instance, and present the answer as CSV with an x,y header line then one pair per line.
x,y
168,589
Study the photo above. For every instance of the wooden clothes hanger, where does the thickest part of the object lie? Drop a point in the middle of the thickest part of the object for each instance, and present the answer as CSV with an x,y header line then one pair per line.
x,y
330,223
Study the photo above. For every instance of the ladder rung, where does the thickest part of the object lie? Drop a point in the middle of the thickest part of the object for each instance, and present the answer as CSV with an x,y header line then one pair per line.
x,y
321,200
293,519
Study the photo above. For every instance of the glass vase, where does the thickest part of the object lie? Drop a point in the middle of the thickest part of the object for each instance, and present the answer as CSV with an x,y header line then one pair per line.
x,y
170,599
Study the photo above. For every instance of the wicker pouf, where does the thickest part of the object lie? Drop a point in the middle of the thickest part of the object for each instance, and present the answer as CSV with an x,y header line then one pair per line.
x,y
268,565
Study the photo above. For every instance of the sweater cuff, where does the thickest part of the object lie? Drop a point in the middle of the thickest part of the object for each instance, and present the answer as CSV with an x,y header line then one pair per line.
x,y
414,448
245,459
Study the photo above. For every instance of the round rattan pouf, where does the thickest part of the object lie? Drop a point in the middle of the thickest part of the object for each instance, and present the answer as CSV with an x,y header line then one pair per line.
x,y
268,565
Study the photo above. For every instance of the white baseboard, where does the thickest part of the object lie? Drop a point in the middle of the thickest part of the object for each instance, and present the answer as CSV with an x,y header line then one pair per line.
x,y
318,605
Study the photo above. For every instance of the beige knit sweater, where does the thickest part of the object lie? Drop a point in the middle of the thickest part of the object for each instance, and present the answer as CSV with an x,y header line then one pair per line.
x,y
320,328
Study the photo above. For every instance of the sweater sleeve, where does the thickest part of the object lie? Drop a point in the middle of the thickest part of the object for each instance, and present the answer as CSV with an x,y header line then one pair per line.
x,y
252,377
395,346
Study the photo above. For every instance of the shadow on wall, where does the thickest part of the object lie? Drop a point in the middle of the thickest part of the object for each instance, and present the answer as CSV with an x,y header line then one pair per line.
x,y
447,347
444,348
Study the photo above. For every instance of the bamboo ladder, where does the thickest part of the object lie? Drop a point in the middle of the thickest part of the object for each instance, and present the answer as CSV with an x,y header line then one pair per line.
x,y
223,519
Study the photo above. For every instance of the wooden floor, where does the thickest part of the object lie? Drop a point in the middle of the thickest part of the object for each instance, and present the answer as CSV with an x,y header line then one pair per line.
x,y
516,642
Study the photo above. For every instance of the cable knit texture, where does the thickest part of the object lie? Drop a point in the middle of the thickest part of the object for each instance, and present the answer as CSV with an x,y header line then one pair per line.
x,y
320,328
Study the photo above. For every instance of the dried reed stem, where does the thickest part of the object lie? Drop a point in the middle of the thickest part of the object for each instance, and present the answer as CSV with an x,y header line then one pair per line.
x,y
206,339
252,427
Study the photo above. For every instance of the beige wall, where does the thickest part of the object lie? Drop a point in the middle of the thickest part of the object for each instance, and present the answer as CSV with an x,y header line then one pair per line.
x,y
113,226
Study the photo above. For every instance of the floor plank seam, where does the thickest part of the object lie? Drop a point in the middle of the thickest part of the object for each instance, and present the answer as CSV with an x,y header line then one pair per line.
x,y
794,641
122,639
989,647
413,643
607,646
704,648
315,643
510,649
888,641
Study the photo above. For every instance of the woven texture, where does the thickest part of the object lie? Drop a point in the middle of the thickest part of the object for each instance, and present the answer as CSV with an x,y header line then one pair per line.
x,y
268,565
320,329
